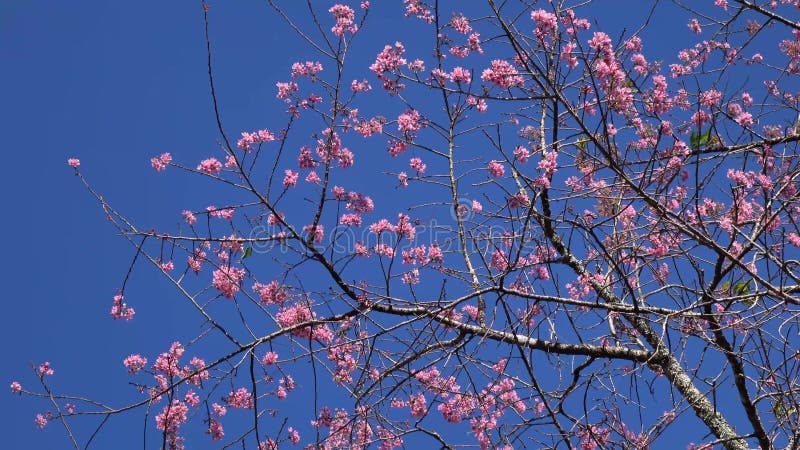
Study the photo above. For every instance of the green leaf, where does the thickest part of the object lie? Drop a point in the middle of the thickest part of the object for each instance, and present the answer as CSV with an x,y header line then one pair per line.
x,y
726,286
247,252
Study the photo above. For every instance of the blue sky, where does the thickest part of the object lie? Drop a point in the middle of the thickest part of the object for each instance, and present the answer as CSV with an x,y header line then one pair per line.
x,y
114,83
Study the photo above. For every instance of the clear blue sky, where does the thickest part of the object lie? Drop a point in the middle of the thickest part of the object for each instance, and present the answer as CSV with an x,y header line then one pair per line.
x,y
114,83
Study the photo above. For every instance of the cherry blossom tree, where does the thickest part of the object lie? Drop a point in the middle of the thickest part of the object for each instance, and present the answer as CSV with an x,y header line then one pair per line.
x,y
509,229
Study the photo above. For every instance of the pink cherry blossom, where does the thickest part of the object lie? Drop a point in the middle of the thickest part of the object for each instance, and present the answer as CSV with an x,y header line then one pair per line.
x,y
160,163
134,363
210,166
496,169
502,74
227,280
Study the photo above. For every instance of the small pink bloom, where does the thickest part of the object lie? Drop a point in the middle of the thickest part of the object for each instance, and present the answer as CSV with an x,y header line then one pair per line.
x,y
120,310
496,169
228,280
134,363
270,358
402,177
240,399
160,163
215,430
74,162
503,74
312,177
418,165
210,166
476,206
219,410
290,178
41,421
189,217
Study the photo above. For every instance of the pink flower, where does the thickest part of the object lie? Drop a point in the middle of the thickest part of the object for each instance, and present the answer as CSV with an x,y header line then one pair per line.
x,y
240,399
460,24
499,261
318,232
290,178
360,86
710,98
297,314
189,217
257,137
397,147
41,421
476,206
352,219
546,23
269,359
219,410
344,16
744,119
411,277
417,65
521,154
312,177
502,74
694,25
416,9
294,436
384,250
134,363
747,99
418,405
634,44
435,253
418,165
390,59
16,388
270,294
74,162
210,166
215,430
160,163
306,69
120,310
496,169
222,213
286,89
402,177
227,280
281,393
170,420
460,75
409,121
192,399
46,369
